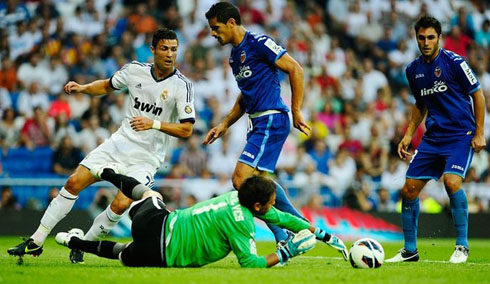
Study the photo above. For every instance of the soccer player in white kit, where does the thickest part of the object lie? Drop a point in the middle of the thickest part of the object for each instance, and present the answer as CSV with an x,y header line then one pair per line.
x,y
162,105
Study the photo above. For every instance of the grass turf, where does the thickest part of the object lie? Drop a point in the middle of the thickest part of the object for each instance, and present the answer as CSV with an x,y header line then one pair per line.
x,y
321,265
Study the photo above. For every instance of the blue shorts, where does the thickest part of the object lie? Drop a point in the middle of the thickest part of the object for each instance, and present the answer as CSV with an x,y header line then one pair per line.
x,y
265,138
434,158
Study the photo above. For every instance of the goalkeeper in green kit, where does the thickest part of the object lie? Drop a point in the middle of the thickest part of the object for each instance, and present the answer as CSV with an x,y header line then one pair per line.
x,y
203,233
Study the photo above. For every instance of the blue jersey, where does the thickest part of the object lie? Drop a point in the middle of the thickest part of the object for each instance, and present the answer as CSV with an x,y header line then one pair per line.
x,y
253,65
444,86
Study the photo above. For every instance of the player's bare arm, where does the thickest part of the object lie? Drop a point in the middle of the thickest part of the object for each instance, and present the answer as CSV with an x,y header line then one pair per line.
x,y
236,112
296,78
416,118
96,88
478,143
180,130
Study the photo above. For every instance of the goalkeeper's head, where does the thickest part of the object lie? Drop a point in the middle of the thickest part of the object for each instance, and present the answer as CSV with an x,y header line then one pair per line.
x,y
257,194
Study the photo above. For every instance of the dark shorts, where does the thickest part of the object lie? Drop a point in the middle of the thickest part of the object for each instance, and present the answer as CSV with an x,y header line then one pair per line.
x,y
433,158
265,138
148,231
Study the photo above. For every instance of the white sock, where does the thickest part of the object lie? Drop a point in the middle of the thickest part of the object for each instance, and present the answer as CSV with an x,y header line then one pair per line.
x,y
58,208
103,224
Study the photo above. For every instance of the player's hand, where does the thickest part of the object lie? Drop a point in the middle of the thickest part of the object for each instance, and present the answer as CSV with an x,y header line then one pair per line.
x,y
215,133
478,143
296,244
73,86
140,123
300,123
403,147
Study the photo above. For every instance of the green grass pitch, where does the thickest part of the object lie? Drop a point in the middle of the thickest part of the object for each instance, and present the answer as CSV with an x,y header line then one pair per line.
x,y
321,265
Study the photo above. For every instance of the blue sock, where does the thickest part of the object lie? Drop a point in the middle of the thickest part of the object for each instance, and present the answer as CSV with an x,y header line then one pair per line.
x,y
410,219
279,233
459,209
283,203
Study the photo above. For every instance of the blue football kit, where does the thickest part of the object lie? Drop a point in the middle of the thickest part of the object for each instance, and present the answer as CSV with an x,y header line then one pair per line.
x,y
253,64
443,86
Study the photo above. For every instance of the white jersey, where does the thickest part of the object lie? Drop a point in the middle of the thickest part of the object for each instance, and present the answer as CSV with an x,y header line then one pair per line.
x,y
169,100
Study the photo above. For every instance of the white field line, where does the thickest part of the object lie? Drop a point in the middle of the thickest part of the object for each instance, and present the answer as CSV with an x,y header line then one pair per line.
x,y
340,258
423,260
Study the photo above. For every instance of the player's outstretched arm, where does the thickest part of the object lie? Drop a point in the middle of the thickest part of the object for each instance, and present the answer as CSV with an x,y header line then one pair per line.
x,y
418,114
288,65
478,143
96,88
216,132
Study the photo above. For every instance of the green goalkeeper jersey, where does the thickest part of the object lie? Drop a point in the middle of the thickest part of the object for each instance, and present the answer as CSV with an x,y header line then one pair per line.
x,y
209,230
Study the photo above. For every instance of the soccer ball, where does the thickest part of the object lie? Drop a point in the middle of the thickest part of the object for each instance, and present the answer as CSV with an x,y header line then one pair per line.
x,y
366,253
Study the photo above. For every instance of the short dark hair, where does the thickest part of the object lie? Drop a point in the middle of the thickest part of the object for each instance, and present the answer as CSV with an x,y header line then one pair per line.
x,y
223,11
256,189
163,33
428,22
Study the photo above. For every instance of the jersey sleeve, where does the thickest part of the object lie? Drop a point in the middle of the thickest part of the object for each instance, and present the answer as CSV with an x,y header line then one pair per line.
x,y
410,77
243,245
119,80
465,76
269,50
185,103
284,220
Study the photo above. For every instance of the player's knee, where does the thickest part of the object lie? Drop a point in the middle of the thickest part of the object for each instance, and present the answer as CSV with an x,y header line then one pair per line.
x,y
237,181
410,192
74,184
119,205
452,184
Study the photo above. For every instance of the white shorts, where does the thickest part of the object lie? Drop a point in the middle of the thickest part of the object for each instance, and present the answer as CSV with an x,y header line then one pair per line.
x,y
107,153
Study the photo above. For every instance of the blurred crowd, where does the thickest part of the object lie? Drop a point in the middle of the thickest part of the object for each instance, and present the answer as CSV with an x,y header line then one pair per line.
x,y
357,98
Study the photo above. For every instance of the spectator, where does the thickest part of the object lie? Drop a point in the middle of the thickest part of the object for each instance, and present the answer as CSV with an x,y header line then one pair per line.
x,y
20,41
193,157
8,75
56,75
60,106
385,203
36,132
5,101
372,80
483,35
457,42
321,155
92,135
9,130
32,72
66,158
8,201
32,98
63,128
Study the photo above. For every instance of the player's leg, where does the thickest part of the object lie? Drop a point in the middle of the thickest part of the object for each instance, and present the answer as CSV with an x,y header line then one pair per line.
x,y
410,216
59,207
457,164
74,240
108,219
241,173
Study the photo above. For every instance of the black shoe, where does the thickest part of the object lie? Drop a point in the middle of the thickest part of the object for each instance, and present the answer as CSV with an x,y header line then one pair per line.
x,y
404,256
76,256
26,247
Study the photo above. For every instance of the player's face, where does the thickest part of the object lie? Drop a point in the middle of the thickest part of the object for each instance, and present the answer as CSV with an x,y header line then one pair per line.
x,y
165,53
428,42
221,32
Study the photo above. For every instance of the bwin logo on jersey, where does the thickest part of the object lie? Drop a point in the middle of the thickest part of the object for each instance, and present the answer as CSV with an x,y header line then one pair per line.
x,y
146,107
439,87
245,72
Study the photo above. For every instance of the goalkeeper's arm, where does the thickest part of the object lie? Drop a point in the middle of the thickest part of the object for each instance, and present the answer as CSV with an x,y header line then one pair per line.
x,y
295,245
